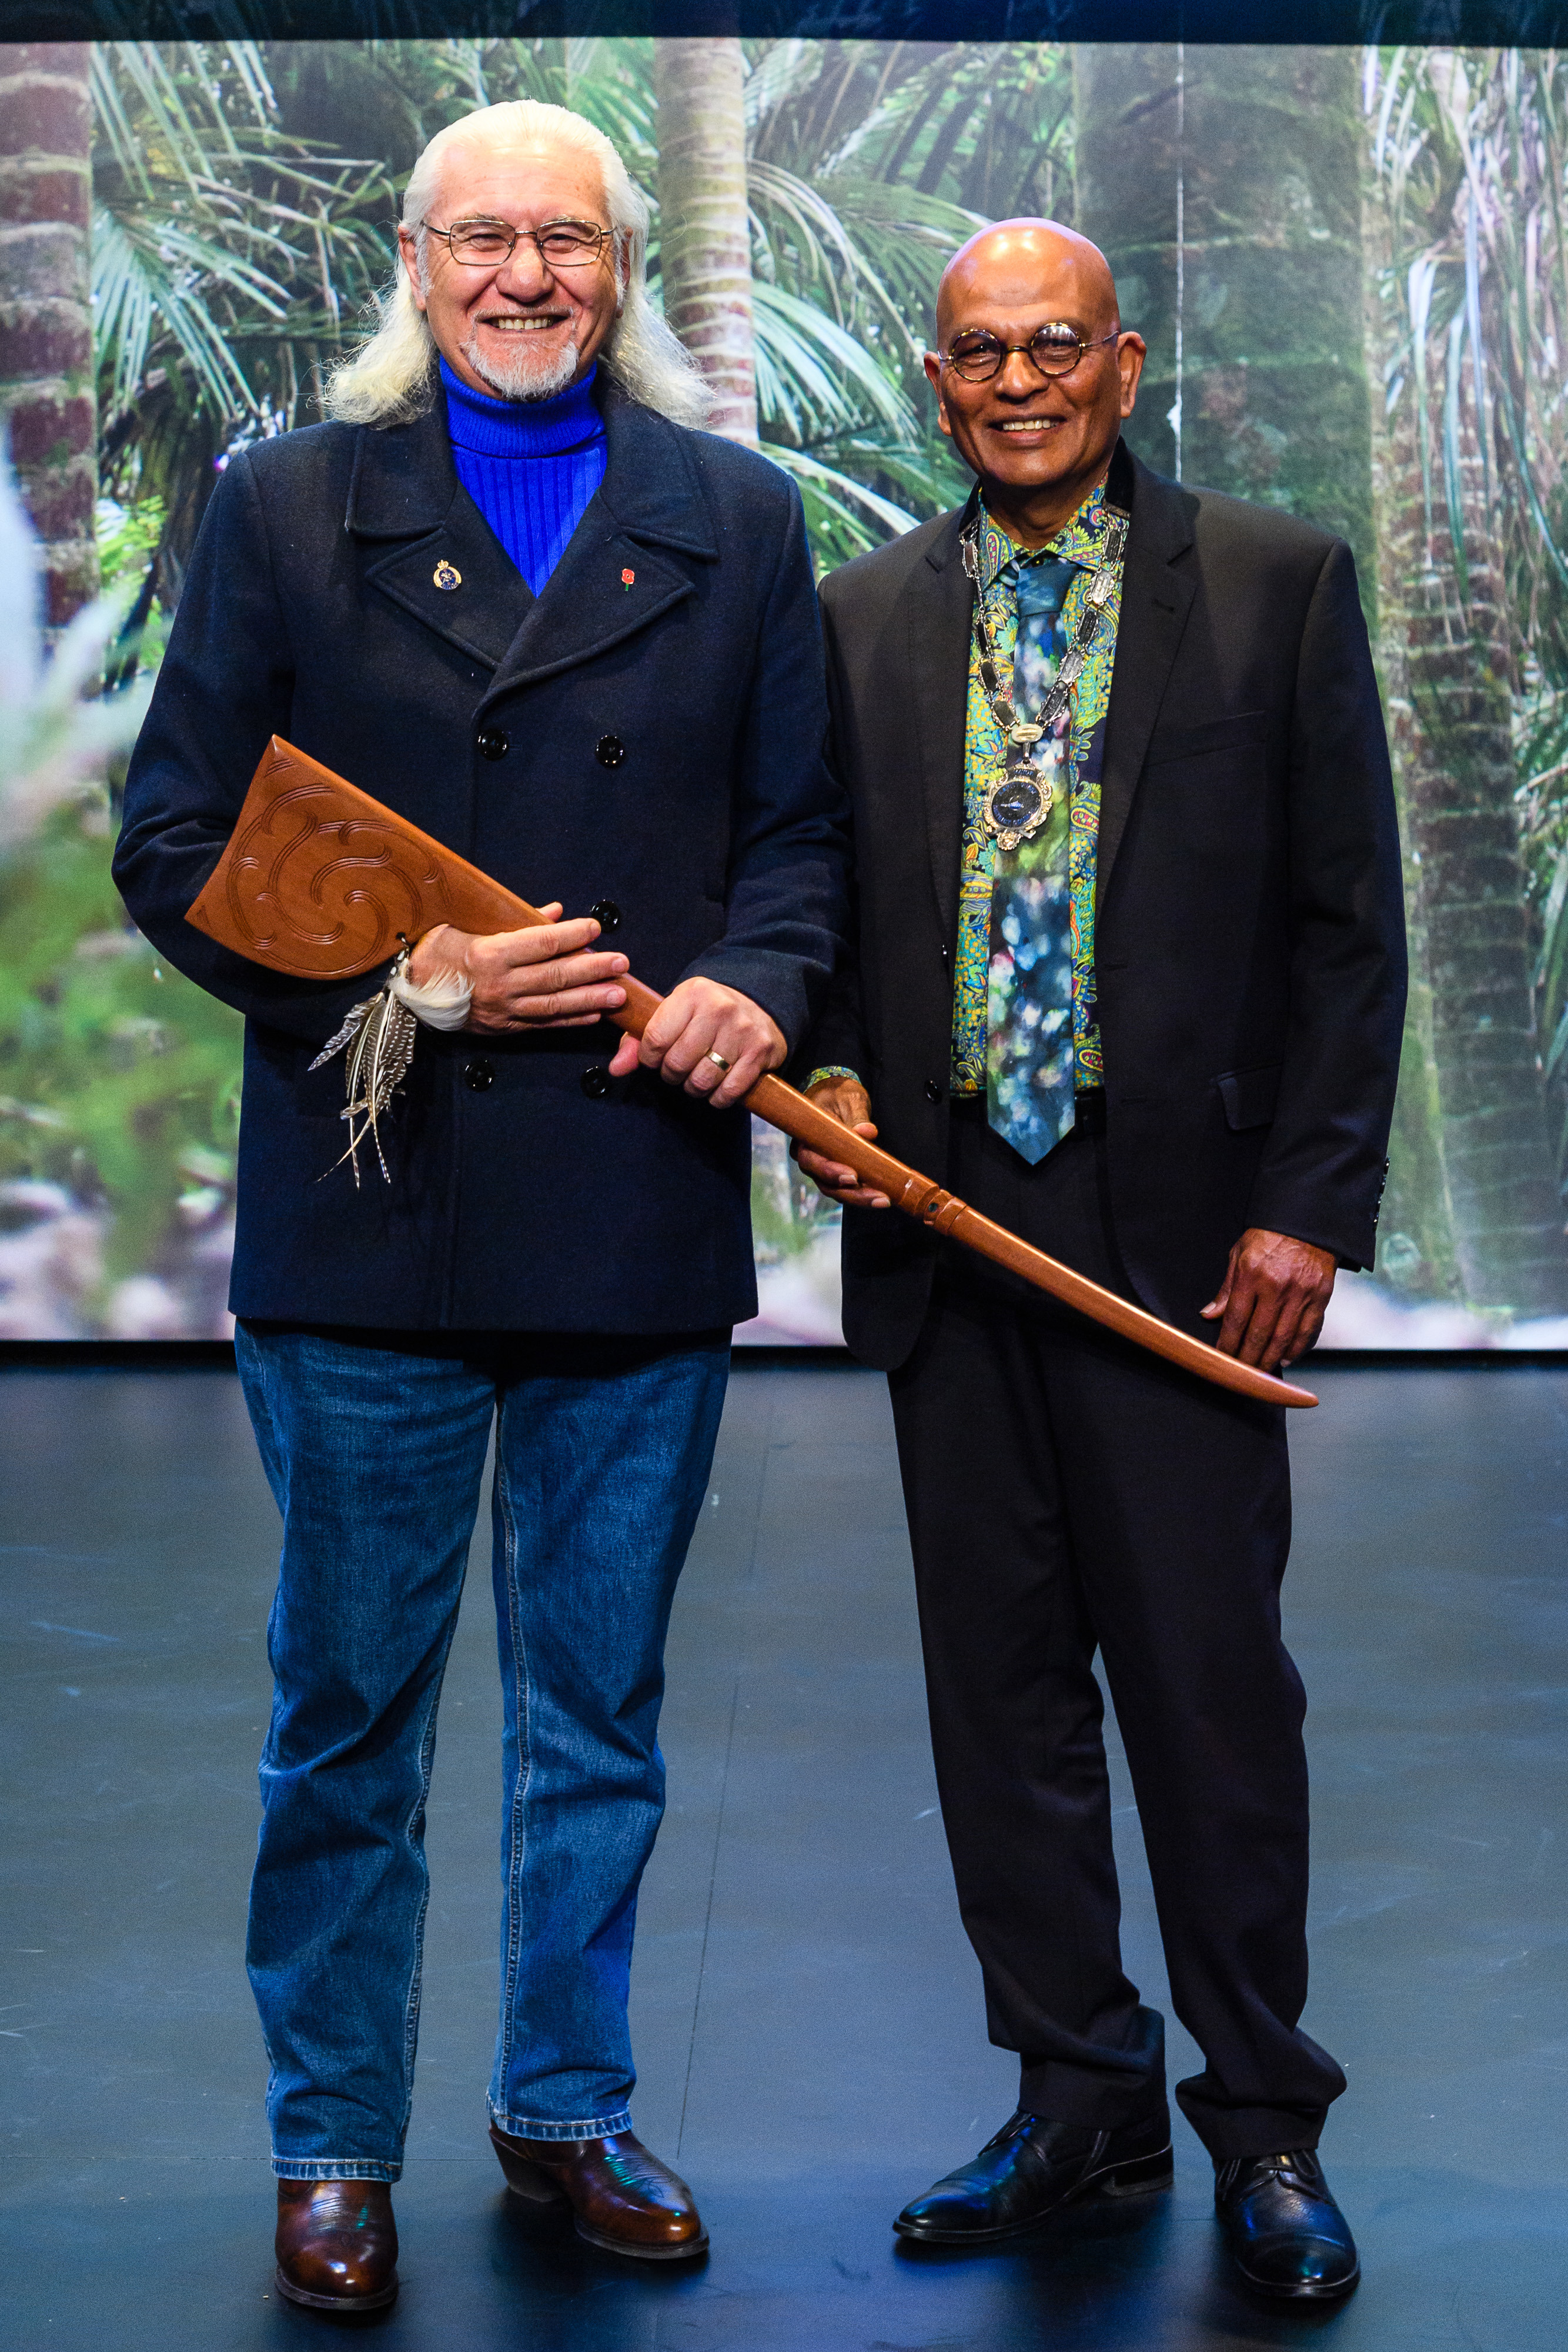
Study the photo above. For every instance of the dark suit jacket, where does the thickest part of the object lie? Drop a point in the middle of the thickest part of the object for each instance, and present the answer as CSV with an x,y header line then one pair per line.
x,y
1249,945
311,610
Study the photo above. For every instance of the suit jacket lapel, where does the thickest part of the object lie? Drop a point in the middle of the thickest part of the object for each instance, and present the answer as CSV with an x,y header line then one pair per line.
x,y
414,519
939,618
650,499
1157,591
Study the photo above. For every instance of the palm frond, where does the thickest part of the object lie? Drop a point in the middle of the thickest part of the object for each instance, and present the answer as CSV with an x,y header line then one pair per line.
x,y
146,285
783,70
843,517
812,376
227,253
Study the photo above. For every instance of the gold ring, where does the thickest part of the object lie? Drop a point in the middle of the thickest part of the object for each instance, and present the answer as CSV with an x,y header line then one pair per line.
x,y
716,1058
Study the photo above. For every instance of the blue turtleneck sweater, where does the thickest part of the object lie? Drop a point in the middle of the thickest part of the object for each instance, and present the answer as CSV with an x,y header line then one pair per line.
x,y
529,466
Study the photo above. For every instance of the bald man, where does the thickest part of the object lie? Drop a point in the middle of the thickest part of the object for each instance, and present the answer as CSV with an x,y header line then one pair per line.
x,y
1131,973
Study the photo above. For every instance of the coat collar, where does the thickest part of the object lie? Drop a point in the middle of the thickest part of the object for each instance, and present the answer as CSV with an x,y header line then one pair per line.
x,y
408,508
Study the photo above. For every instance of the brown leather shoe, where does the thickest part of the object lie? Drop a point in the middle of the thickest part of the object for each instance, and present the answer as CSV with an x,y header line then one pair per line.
x,y
337,2245
622,2198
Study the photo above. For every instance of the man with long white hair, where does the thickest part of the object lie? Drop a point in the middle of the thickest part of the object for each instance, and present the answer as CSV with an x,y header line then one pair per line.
x,y
391,378
508,590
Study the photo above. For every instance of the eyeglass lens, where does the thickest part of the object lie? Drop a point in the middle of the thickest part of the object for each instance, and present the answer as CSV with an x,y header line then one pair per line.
x,y
561,243
979,355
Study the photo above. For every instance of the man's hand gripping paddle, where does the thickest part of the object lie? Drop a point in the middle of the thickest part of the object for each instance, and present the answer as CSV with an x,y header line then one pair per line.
x,y
322,882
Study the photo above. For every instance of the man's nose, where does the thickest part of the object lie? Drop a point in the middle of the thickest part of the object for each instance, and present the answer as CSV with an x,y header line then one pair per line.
x,y
523,275
1018,377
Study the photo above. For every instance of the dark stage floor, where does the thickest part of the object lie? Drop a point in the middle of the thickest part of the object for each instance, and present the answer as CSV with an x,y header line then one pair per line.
x,y
808,2013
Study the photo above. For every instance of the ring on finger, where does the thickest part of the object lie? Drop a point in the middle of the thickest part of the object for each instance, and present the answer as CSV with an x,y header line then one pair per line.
x,y
716,1058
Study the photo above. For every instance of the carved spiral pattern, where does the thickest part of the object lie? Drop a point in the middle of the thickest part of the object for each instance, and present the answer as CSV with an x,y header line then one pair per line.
x,y
322,890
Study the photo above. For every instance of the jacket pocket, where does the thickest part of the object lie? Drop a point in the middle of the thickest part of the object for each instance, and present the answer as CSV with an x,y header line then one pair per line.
x,y
1249,1095
1241,728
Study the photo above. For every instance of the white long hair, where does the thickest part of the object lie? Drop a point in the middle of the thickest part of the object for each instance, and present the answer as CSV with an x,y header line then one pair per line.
x,y
391,378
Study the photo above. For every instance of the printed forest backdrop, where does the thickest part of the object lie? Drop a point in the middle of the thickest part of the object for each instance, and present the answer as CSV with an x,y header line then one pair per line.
x,y
1352,271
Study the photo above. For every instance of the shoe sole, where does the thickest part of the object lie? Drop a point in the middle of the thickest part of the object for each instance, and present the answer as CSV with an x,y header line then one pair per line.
x,y
642,2254
1146,2176
377,2302
535,2187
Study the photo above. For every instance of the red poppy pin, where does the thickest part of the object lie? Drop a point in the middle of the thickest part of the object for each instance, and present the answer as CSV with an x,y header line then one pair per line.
x,y
627,578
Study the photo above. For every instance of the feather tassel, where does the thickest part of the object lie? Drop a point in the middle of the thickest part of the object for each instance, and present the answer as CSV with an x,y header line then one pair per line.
x,y
379,1036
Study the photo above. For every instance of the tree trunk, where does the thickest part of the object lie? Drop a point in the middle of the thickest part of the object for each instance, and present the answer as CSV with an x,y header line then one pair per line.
x,y
1417,1249
47,400
1451,706
705,232
1257,384
1259,150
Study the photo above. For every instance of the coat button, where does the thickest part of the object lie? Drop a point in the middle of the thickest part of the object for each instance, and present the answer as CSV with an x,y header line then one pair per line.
x,y
492,743
595,1081
478,1074
933,1091
610,750
606,914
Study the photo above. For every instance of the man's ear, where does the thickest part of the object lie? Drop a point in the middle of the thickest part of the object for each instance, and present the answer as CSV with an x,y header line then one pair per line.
x,y
1131,352
408,254
934,378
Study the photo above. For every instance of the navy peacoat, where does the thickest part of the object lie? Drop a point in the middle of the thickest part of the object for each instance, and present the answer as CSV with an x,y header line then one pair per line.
x,y
647,733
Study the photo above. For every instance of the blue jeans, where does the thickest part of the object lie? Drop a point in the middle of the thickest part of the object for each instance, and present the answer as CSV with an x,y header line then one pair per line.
x,y
375,1454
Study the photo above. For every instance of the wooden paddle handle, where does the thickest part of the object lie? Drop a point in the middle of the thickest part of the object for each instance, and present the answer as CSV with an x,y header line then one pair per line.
x,y
321,881
944,1213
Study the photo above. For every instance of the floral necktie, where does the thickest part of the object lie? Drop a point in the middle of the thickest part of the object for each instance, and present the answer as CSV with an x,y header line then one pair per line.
x,y
1030,1071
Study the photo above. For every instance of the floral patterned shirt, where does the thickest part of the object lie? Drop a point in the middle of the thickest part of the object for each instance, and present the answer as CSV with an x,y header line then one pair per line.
x,y
1079,542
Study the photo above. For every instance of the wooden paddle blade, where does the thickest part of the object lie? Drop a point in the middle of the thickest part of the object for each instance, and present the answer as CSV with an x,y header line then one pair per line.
x,y
320,881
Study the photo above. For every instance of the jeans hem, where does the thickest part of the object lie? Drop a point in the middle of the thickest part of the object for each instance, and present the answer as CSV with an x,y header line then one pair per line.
x,y
592,2127
335,2168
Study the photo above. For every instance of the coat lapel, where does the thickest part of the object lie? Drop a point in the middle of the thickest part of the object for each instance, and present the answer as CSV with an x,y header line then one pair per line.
x,y
412,516
408,508
1157,591
939,617
650,500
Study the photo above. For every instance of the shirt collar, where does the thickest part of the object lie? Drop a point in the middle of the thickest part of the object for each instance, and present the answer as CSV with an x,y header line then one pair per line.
x,y
1078,541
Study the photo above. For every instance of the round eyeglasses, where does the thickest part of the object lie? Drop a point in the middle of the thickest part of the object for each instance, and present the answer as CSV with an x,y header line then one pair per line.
x,y
977,354
486,244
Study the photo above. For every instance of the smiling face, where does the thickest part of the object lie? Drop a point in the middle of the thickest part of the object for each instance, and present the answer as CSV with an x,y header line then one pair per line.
x,y
521,331
1039,443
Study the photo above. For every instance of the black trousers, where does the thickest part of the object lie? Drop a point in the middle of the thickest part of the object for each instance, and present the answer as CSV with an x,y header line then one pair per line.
x,y
1066,1493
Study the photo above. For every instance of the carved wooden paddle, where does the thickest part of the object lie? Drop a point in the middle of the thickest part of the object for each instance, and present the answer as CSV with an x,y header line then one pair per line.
x,y
323,882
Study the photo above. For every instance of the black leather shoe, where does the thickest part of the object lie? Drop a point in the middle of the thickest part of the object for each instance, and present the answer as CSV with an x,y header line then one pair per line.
x,y
1286,2234
1033,2166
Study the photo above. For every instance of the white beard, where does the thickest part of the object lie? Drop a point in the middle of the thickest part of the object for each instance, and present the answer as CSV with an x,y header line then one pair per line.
x,y
522,376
